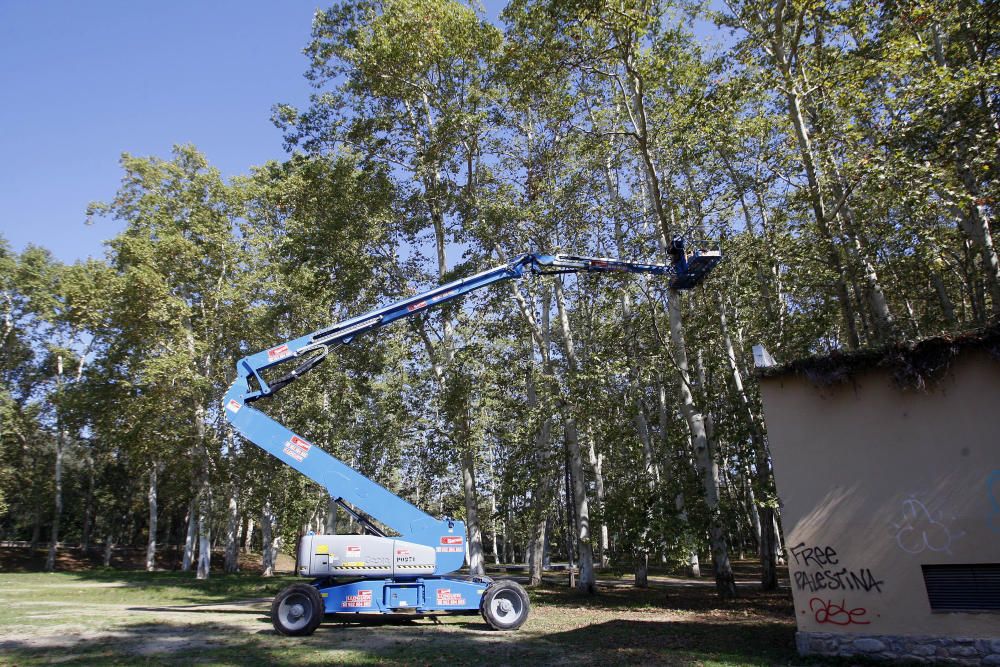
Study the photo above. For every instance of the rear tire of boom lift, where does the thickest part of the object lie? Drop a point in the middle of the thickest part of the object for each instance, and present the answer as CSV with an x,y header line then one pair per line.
x,y
505,605
297,610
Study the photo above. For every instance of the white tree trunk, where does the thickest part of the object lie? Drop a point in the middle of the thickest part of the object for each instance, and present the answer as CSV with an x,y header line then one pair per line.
x,y
536,551
597,464
109,549
50,561
270,540
330,520
763,513
192,527
581,509
475,543
724,581
248,536
205,532
88,505
151,543
694,566
232,561
496,530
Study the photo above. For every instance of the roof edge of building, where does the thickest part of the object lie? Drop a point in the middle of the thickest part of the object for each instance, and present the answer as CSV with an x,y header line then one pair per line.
x,y
912,364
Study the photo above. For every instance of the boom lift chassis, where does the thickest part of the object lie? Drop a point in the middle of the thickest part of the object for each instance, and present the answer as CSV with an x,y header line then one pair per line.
x,y
411,572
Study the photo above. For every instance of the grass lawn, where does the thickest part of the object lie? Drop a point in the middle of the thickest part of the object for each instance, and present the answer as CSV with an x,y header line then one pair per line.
x,y
122,617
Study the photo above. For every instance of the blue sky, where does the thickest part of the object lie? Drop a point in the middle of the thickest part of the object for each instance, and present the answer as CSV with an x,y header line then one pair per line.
x,y
81,82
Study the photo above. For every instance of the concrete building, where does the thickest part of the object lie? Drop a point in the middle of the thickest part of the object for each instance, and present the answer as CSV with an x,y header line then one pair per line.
x,y
888,470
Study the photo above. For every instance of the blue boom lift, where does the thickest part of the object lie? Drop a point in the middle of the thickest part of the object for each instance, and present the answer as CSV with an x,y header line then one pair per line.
x,y
407,572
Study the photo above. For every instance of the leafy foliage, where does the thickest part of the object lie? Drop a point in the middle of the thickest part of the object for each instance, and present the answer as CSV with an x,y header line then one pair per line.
x,y
843,155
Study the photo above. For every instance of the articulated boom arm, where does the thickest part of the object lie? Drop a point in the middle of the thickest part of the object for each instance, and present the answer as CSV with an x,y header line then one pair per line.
x,y
340,480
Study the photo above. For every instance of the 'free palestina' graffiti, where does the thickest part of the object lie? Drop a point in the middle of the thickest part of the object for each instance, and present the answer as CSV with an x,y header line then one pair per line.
x,y
818,568
918,531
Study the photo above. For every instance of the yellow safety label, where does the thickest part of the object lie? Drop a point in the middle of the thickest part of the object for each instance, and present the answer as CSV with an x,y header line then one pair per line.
x,y
322,549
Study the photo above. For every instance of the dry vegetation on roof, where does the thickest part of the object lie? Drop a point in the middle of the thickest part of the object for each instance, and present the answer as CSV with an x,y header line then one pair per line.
x,y
912,365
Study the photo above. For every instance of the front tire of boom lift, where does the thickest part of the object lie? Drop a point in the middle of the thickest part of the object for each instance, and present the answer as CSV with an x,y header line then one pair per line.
x,y
505,605
297,610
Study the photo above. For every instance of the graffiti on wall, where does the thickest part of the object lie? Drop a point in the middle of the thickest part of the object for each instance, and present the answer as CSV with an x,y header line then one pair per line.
x,y
829,612
917,531
818,568
993,491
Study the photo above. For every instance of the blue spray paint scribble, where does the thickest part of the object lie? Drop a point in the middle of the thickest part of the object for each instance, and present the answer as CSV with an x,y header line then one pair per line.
x,y
993,490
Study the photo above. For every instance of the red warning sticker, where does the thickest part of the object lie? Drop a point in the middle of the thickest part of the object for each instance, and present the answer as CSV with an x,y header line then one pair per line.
x,y
297,448
416,306
451,539
280,352
402,552
233,405
360,599
446,597
353,551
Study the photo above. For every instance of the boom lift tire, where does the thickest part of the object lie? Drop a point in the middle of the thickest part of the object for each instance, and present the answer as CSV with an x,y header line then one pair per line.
x,y
505,605
297,610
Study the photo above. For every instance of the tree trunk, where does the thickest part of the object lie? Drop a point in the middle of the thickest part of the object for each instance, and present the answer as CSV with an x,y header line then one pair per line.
x,y
597,465
581,510
751,502
493,514
768,549
724,581
769,574
50,561
642,569
476,565
232,561
204,531
542,493
270,541
109,548
36,528
884,323
192,525
248,535
536,551
151,542
330,520
636,104
88,505
975,220
807,155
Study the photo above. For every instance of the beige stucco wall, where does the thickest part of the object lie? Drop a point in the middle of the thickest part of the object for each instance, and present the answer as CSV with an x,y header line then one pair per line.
x,y
878,481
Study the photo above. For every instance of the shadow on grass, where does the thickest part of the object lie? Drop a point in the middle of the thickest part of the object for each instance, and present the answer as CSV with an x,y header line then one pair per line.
x,y
776,605
411,641
756,628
